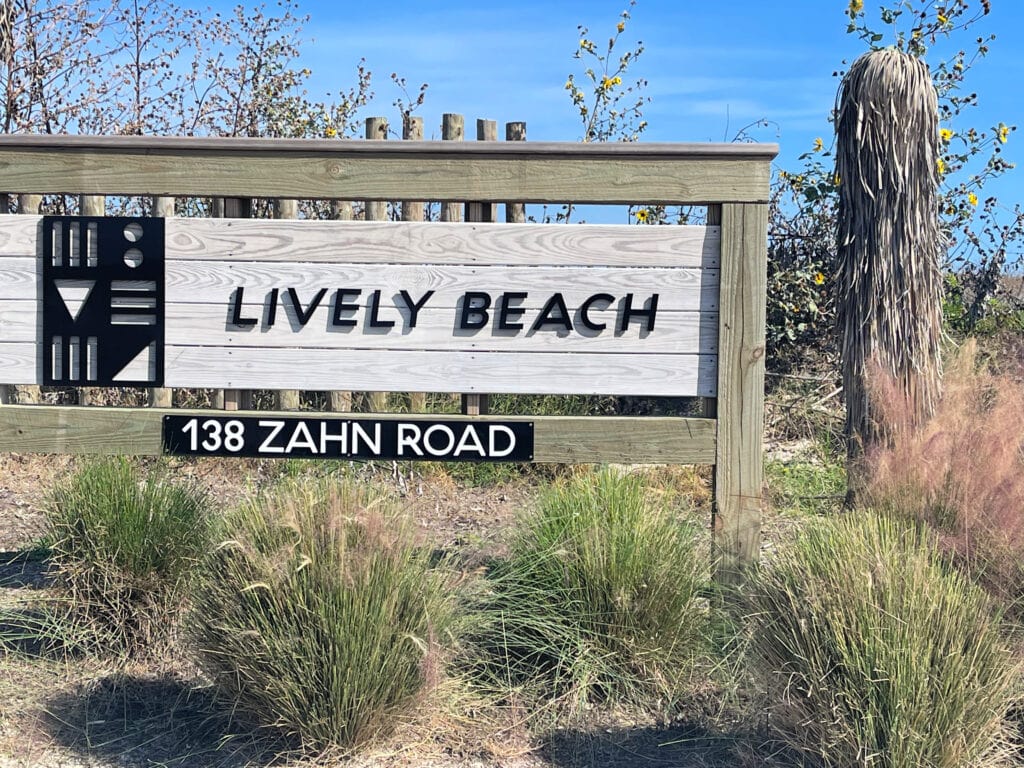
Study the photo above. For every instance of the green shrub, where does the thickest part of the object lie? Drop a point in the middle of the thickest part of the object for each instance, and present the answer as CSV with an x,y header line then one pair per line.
x,y
319,617
125,548
877,654
599,598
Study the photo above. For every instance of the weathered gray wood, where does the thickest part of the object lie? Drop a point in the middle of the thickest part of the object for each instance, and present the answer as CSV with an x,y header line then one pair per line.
x,y
377,130
597,245
557,439
341,402
486,130
193,323
452,130
739,470
515,213
414,210
162,397
287,399
28,222
412,130
234,399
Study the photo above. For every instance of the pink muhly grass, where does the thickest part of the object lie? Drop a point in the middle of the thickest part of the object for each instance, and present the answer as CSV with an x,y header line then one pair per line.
x,y
962,471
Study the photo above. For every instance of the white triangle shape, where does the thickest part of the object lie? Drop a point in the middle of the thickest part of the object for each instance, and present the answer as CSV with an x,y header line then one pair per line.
x,y
74,293
141,368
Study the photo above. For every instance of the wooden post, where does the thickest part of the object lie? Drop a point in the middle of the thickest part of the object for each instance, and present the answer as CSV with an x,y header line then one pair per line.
x,y
8,392
486,130
233,399
339,401
453,128
377,210
515,213
287,399
413,210
162,397
740,403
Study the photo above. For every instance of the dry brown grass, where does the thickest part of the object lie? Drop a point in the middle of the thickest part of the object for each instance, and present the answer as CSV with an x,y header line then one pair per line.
x,y
962,471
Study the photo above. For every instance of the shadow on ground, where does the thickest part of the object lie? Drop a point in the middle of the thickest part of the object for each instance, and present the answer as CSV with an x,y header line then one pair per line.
x,y
678,746
138,721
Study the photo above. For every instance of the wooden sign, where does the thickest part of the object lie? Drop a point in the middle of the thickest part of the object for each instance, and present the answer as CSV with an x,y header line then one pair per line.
x,y
246,304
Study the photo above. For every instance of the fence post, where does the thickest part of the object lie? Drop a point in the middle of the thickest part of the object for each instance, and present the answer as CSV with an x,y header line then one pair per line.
x,y
32,393
515,213
740,402
232,208
452,129
412,210
339,401
287,399
486,130
377,210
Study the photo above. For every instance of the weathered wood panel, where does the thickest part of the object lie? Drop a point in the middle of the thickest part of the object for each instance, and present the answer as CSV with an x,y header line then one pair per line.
x,y
404,371
558,439
739,464
483,171
355,242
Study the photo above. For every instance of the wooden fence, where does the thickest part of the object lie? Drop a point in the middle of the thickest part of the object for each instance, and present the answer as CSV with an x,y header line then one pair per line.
x,y
710,282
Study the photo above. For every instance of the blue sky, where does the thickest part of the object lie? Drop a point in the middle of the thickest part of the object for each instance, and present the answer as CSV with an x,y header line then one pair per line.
x,y
711,67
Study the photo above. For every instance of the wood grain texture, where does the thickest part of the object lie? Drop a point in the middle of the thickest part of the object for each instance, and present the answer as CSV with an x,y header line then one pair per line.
x,y
482,171
557,439
357,242
739,464
407,371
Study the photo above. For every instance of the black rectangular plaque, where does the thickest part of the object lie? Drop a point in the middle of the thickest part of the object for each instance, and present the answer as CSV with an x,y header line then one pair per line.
x,y
412,439
103,301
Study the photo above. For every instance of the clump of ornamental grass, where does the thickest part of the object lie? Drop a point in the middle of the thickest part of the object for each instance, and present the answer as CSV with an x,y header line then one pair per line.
x,y
877,653
124,547
961,472
319,616
599,599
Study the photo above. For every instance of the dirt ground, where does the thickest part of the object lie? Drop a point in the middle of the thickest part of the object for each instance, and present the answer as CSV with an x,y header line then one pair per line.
x,y
57,712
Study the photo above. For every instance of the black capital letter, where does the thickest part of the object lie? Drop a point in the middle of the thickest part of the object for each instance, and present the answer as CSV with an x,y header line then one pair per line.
x,y
374,306
340,306
474,310
414,306
628,313
607,298
305,314
236,310
554,313
508,315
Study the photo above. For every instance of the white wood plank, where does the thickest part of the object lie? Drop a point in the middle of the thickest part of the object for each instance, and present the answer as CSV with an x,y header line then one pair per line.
x,y
19,277
436,243
214,281
400,371
18,363
189,324
18,235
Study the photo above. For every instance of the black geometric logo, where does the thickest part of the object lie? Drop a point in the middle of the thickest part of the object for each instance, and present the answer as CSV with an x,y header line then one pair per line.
x,y
103,301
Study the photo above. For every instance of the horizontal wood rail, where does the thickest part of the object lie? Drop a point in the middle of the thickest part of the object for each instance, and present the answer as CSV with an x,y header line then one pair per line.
x,y
557,439
482,171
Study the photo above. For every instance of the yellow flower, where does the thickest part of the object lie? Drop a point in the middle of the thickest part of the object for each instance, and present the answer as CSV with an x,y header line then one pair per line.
x,y
946,134
942,19
620,26
941,165
856,6
607,83
818,144
330,132
1004,133
616,80
819,279
972,198
642,215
